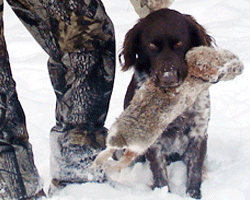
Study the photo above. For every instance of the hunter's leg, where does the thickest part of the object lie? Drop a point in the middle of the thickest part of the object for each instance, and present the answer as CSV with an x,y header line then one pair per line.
x,y
79,38
19,178
83,82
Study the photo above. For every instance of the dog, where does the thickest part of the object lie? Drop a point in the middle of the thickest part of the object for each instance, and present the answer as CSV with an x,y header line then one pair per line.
x,y
155,48
153,108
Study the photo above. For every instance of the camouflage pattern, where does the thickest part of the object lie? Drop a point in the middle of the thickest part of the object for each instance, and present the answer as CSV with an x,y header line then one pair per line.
x,y
79,38
11,184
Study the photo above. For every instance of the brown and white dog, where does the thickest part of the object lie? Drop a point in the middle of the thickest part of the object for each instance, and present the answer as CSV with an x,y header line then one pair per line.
x,y
157,45
167,104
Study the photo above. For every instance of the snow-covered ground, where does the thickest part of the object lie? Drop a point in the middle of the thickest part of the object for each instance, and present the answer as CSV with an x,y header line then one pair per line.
x,y
228,160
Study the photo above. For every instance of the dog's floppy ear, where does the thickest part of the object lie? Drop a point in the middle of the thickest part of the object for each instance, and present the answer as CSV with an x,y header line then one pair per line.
x,y
198,33
130,47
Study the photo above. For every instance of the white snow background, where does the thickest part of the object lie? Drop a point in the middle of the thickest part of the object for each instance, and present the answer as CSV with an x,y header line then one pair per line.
x,y
228,157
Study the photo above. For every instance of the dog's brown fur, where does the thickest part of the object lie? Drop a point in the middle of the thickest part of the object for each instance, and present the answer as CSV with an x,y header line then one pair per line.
x,y
158,44
154,46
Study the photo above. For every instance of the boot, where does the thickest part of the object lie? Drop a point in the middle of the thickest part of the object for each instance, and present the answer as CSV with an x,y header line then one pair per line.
x,y
72,155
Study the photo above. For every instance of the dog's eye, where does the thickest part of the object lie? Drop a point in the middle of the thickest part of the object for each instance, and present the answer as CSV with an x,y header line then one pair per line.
x,y
178,44
153,46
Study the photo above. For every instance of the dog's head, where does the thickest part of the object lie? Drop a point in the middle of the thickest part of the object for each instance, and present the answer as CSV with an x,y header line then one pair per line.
x,y
157,45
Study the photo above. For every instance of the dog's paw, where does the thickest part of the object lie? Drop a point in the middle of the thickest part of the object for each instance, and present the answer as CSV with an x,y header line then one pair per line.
x,y
194,193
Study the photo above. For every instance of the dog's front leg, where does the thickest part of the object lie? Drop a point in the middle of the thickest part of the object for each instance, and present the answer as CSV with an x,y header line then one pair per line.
x,y
194,159
158,166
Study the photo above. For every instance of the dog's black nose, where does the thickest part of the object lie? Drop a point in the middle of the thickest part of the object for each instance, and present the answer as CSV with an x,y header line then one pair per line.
x,y
170,78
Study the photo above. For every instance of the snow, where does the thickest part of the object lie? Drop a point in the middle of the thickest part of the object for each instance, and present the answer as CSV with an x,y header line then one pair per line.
x,y
228,159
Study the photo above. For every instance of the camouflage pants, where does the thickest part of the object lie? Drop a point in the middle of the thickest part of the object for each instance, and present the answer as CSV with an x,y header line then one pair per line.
x,y
79,38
